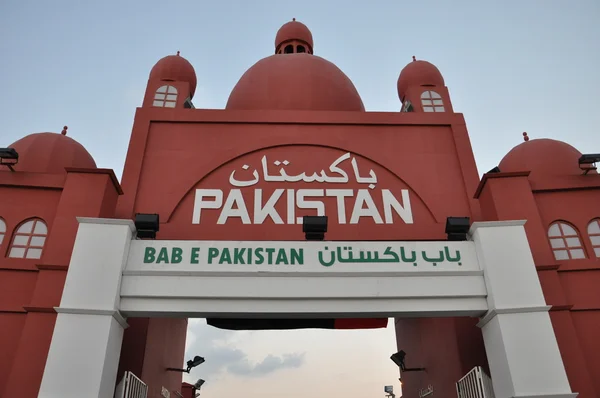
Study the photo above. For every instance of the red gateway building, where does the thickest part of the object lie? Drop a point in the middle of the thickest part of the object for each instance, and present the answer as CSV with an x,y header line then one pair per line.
x,y
291,115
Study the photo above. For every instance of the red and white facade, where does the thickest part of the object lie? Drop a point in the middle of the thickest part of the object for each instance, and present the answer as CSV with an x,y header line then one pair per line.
x,y
294,140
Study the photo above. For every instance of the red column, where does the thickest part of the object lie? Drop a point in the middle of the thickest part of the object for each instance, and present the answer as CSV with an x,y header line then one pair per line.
x,y
508,196
86,193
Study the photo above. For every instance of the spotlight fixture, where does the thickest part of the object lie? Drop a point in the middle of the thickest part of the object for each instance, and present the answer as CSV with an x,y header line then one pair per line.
x,y
457,228
192,363
589,158
587,162
199,383
147,225
389,391
398,359
9,157
314,227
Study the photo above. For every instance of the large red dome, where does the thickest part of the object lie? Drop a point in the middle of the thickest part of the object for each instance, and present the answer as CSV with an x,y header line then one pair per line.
x,y
295,82
543,158
51,153
175,68
419,73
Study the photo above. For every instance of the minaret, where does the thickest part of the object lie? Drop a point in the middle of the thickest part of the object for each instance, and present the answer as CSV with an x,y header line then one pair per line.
x,y
421,88
171,84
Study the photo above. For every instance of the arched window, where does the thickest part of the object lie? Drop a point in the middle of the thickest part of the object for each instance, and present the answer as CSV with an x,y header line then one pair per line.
x,y
432,102
289,49
300,49
29,239
593,232
2,230
165,97
565,242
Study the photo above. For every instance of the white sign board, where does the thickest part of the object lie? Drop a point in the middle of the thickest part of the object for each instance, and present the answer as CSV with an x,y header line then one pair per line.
x,y
302,256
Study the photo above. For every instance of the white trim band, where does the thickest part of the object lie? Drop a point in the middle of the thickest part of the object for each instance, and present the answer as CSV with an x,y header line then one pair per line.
x,y
93,311
516,310
107,221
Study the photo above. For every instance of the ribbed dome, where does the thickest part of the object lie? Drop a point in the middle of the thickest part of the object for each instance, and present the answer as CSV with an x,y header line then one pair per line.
x,y
51,153
419,73
175,68
295,82
543,158
294,30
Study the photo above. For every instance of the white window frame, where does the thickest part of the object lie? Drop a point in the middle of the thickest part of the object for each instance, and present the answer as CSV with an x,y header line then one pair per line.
x,y
2,230
565,241
593,230
29,239
165,97
431,101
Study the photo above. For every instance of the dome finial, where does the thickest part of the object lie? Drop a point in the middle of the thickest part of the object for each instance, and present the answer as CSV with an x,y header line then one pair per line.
x,y
414,58
64,130
525,137
294,19
177,52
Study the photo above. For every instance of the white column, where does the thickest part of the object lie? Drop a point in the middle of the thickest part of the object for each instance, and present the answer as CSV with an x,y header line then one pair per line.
x,y
519,339
86,344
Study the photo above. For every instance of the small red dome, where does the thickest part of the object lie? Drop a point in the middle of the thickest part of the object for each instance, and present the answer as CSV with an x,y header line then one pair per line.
x,y
51,153
543,158
419,73
295,82
175,68
294,30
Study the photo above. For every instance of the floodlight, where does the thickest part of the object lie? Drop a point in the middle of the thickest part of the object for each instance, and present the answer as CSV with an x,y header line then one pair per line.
x,y
147,225
194,362
398,359
587,162
457,228
9,157
9,153
314,227
584,159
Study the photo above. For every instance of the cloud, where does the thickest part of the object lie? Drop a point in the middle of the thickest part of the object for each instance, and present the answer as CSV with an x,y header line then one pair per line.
x,y
268,365
221,350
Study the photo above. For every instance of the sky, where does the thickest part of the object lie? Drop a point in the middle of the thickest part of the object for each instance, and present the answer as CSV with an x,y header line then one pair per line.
x,y
511,66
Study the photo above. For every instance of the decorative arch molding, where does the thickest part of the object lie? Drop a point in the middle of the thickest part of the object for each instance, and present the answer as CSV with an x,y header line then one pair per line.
x,y
426,201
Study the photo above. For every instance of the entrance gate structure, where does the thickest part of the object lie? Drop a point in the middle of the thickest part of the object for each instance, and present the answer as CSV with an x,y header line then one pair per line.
x,y
113,276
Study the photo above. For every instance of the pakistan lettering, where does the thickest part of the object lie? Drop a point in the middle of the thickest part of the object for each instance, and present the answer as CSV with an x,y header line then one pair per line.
x,y
346,255
234,205
318,177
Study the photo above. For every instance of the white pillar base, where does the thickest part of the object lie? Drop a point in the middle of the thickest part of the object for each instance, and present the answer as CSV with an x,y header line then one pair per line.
x,y
84,354
523,355
517,332
86,343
